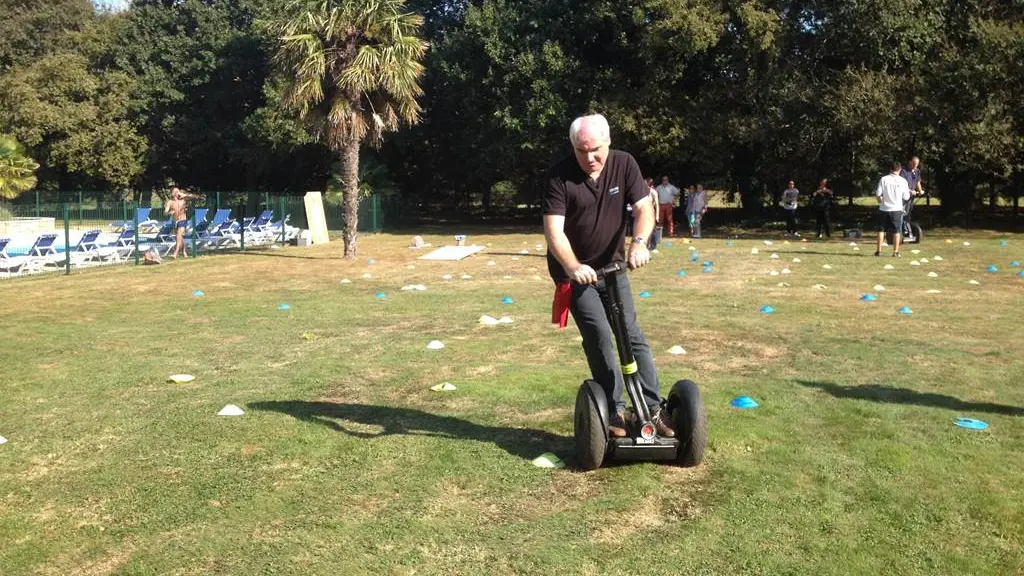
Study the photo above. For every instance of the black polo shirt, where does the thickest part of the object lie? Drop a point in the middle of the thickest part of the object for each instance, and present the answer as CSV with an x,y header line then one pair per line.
x,y
595,212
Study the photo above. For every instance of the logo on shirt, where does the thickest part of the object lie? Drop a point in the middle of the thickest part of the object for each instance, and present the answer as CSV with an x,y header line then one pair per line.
x,y
613,191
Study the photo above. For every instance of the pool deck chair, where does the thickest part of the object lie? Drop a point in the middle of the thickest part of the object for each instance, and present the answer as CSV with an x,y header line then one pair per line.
x,y
143,217
10,265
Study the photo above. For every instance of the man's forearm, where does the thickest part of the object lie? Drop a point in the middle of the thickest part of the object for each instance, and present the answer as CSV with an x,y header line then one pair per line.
x,y
560,248
643,221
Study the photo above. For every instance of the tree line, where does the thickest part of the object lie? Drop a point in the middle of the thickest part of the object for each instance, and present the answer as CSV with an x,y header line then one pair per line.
x,y
741,95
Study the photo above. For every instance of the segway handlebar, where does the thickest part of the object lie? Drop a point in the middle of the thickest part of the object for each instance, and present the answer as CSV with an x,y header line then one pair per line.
x,y
611,269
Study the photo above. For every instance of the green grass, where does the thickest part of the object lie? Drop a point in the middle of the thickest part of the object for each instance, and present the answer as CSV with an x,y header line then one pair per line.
x,y
345,462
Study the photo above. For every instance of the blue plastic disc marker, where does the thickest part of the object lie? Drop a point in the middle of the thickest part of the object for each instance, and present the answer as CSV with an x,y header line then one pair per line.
x,y
381,295
728,244
1021,273
506,300
869,297
992,268
681,273
694,258
284,307
971,423
1003,243
743,402
767,309
668,244
198,293
905,310
1015,264
371,261
645,294
708,269
708,263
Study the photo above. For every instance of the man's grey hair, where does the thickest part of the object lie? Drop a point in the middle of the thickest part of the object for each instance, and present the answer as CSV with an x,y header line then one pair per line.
x,y
598,122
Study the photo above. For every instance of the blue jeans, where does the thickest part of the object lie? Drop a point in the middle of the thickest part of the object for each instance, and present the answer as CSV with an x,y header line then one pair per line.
x,y
588,311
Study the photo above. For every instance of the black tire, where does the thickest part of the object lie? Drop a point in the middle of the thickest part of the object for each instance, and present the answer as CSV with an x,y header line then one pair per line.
x,y
589,430
686,409
916,229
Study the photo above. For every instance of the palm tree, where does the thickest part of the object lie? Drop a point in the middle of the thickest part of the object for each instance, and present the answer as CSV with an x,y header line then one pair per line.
x,y
17,171
352,72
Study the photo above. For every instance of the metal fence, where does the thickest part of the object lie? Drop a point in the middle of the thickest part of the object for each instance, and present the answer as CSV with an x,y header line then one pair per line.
x,y
63,237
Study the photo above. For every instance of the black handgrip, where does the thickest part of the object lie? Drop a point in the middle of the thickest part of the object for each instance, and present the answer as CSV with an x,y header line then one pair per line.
x,y
610,269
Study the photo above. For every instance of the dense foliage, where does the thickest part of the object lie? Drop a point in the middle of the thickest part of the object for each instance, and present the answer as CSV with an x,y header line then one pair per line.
x,y
738,94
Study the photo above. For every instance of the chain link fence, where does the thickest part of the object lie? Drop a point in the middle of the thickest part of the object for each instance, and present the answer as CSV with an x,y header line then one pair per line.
x,y
62,237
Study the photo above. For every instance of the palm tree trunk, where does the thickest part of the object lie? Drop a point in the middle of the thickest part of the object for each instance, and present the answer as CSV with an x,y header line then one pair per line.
x,y
350,193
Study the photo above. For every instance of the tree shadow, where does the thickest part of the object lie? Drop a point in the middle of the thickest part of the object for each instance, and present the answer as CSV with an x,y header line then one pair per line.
x,y
522,442
888,394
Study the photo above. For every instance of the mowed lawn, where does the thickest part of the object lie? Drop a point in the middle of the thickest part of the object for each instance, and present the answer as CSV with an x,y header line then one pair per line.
x,y
346,463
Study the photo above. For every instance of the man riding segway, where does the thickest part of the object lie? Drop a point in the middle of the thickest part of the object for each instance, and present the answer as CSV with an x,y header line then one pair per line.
x,y
584,224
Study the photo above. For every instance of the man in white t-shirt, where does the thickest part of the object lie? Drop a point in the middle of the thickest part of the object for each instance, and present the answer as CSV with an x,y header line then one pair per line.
x,y
667,194
892,192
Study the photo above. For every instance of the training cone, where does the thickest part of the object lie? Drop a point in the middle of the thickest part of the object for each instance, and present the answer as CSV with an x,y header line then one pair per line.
x,y
506,300
681,273
645,294
974,282
435,345
443,387
905,310
992,268
889,267
366,276
181,378
346,281
284,306
879,288
676,350
869,298
753,251
3,440
198,293
774,256
230,410
971,423
548,460
743,402
933,275
767,310
827,266
380,295
488,320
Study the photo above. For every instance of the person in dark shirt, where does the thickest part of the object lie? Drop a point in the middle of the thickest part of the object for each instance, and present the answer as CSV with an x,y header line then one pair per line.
x,y
821,202
584,224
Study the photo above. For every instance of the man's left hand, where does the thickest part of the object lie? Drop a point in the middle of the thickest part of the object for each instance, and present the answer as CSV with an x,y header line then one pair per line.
x,y
639,256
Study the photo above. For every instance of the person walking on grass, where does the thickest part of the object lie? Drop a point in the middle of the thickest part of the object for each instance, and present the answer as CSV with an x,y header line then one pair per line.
x,y
667,195
821,202
584,209
177,208
696,206
892,192
790,197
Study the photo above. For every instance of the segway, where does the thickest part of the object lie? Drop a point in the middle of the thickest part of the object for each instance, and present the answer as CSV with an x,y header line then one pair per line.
x,y
911,231
684,408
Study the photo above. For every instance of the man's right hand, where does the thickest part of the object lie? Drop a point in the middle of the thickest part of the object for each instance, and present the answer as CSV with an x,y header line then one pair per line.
x,y
583,274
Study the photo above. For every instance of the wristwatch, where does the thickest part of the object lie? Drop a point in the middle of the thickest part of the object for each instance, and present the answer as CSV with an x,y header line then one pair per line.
x,y
639,240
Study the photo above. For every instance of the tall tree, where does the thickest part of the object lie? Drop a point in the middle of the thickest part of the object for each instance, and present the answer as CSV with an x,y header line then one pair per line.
x,y
17,171
352,69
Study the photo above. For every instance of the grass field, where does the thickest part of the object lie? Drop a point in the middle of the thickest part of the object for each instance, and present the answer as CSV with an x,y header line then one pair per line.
x,y
346,463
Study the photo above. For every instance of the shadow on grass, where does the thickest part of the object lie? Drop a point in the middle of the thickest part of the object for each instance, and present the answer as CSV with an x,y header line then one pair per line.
x,y
879,393
522,442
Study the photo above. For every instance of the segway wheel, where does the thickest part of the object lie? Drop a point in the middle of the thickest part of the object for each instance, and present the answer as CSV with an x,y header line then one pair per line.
x,y
915,228
686,409
589,428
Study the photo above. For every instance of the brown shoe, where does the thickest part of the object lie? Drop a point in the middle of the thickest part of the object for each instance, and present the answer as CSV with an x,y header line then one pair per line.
x,y
617,426
661,426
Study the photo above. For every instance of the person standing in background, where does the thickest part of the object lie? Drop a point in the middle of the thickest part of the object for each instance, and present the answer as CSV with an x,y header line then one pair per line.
x,y
667,195
821,202
696,206
790,197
